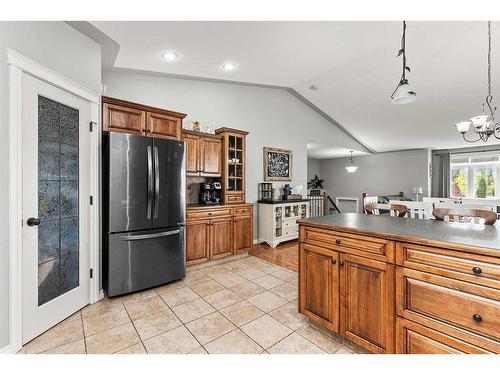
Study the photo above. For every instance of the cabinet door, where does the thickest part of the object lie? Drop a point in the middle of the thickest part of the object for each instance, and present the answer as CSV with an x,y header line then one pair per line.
x,y
319,285
123,119
197,241
210,156
163,126
242,232
192,154
221,237
367,303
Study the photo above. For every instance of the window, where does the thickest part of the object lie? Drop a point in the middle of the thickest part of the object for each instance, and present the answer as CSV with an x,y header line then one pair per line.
x,y
475,175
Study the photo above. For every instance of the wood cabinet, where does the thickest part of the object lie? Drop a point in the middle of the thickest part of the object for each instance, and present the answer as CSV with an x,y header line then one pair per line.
x,y
319,285
233,165
133,118
203,154
367,302
215,232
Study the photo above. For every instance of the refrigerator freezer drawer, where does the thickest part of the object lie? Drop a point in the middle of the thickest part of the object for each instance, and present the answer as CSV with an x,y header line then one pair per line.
x,y
142,260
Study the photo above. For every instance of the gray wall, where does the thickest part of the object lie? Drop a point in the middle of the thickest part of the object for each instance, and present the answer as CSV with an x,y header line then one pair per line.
x,y
63,49
273,117
313,166
377,174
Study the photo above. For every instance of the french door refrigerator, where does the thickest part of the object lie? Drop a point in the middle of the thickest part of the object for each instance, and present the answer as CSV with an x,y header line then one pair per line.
x,y
143,212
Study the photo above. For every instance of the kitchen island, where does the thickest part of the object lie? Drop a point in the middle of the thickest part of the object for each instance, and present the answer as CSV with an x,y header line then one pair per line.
x,y
398,285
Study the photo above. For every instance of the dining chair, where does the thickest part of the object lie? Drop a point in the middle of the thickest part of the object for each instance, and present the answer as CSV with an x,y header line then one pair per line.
x,y
398,210
465,215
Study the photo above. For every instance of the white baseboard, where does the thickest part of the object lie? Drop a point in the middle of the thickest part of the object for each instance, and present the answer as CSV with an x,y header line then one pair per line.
x,y
6,350
100,296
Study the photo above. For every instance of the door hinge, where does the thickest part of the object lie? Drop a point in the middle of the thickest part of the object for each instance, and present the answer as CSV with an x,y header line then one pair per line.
x,y
91,126
91,273
91,200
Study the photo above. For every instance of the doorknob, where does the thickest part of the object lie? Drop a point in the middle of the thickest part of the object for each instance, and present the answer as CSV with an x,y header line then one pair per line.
x,y
33,221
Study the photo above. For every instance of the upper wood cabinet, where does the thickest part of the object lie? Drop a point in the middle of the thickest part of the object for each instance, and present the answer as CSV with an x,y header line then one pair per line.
x,y
366,303
203,154
133,118
233,165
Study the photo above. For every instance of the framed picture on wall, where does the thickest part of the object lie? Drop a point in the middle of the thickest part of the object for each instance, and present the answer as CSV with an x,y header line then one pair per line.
x,y
277,164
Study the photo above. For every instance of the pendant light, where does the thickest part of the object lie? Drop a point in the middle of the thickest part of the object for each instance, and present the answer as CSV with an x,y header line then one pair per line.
x,y
351,168
483,126
403,93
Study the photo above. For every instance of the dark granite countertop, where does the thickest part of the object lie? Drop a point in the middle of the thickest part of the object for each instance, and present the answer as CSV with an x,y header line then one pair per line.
x,y
280,201
414,230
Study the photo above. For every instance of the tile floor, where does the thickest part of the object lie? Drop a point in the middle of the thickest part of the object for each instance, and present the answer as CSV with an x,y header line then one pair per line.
x,y
245,306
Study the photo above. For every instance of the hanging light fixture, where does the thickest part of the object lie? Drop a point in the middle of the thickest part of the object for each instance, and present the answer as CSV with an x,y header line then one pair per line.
x,y
484,125
403,93
351,168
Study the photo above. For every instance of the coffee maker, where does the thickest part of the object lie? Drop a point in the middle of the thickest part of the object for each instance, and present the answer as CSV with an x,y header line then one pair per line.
x,y
210,192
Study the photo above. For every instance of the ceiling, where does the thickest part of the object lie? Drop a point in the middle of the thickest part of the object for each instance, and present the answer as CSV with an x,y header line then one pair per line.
x,y
353,64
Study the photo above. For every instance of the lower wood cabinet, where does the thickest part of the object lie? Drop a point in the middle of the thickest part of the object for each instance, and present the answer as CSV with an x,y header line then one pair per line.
x,y
217,232
367,302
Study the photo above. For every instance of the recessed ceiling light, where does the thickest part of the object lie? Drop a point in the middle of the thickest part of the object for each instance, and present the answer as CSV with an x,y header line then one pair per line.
x,y
169,56
229,66
313,87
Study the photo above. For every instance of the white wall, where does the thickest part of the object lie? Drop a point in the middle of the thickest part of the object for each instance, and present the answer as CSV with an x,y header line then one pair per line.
x,y
377,174
313,168
274,117
63,49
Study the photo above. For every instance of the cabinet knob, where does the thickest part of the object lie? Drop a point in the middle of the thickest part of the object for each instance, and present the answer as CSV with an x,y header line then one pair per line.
x,y
477,318
334,261
477,270
209,214
341,263
337,241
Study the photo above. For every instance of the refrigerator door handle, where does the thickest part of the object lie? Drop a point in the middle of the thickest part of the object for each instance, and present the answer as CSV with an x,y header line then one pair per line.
x,y
150,182
152,235
157,183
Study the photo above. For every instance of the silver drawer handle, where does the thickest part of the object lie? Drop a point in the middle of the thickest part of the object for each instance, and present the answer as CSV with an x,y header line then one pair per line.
x,y
152,235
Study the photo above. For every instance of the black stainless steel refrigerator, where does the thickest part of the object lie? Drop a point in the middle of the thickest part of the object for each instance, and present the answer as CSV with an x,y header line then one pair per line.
x,y
143,212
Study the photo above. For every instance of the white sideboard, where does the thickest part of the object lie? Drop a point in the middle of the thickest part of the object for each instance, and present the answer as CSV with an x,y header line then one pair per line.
x,y
278,220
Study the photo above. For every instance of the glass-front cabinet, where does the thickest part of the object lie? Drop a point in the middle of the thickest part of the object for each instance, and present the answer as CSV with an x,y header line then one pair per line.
x,y
234,161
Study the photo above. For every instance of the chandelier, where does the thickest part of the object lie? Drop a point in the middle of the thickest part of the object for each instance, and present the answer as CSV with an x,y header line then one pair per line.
x,y
403,93
484,125
351,168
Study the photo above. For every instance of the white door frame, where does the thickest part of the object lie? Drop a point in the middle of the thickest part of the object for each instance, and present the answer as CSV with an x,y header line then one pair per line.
x,y
19,65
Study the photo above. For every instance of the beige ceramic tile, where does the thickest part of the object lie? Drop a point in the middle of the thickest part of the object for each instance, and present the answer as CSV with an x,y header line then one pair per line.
x,y
289,316
75,347
155,324
175,341
103,306
266,266
138,296
200,350
326,342
294,282
235,342
236,266
178,296
170,286
241,313
210,327
266,331
206,287
134,349
247,289
63,333
229,279
295,344
286,291
285,275
140,309
97,323
267,301
112,340
194,276
250,273
345,350
268,281
215,271
222,299
190,311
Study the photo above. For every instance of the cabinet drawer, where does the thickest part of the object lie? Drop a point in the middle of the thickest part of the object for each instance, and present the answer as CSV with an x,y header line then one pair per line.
x,y
464,266
376,248
207,214
235,198
243,210
425,297
412,338
290,223
291,231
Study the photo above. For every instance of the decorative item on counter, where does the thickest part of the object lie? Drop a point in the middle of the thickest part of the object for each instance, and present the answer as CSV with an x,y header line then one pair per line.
x,y
266,192
196,126
277,164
